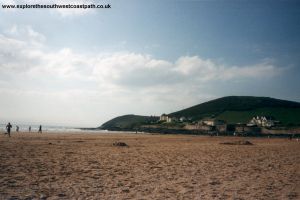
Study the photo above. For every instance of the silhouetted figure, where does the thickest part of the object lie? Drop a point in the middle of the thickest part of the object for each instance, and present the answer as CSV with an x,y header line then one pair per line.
x,y
8,127
29,129
17,128
40,129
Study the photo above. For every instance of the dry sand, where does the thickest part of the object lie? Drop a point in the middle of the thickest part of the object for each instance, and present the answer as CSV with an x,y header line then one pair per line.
x,y
88,166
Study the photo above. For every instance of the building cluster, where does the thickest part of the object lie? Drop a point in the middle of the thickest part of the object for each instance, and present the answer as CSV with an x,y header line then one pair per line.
x,y
208,125
170,119
204,125
262,121
211,125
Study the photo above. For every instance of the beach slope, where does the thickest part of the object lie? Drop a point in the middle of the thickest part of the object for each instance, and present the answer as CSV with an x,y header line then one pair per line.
x,y
89,166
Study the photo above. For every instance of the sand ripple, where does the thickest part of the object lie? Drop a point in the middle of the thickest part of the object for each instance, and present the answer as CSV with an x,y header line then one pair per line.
x,y
87,166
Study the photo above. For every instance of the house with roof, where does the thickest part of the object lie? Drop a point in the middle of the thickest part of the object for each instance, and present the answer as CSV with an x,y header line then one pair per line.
x,y
163,117
262,121
167,118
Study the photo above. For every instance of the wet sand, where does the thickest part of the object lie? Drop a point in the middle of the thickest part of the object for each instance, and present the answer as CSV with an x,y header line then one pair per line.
x,y
88,166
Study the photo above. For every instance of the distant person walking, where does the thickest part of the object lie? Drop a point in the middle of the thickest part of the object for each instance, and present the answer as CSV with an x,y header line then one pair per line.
x,y
17,128
8,127
29,129
40,129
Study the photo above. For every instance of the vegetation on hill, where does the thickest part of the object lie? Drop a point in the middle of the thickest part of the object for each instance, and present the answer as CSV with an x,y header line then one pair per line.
x,y
127,122
240,109
286,116
232,109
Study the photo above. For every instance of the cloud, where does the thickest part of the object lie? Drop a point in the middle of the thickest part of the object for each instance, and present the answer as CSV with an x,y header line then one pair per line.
x,y
25,33
22,51
33,76
132,69
208,70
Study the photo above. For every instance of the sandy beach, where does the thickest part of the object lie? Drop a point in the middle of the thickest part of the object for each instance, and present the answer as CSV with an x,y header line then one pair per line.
x,y
88,166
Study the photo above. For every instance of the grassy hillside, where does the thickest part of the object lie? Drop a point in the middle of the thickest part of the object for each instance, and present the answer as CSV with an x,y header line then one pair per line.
x,y
287,116
235,109
127,122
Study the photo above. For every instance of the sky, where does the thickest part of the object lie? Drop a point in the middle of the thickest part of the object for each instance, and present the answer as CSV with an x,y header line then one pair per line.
x,y
80,68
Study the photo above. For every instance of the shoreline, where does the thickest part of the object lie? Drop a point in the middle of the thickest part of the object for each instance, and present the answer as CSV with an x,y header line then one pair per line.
x,y
168,131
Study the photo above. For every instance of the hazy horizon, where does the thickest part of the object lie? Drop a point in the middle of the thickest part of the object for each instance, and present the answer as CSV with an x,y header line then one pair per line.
x,y
83,67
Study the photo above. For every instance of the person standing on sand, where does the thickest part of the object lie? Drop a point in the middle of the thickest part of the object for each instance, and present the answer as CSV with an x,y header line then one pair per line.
x,y
17,128
40,129
8,127
29,129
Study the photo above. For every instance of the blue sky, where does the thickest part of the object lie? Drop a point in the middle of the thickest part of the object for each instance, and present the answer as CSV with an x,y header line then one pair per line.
x,y
74,67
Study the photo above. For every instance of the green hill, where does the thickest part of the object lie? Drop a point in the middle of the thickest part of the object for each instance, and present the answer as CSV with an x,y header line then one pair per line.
x,y
127,122
232,109
240,109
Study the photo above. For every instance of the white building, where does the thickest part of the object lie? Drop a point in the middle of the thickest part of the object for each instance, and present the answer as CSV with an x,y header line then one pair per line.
x,y
182,119
167,118
163,117
261,121
212,122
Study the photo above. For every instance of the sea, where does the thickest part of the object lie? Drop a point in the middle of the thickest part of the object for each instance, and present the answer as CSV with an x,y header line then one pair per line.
x,y
49,129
